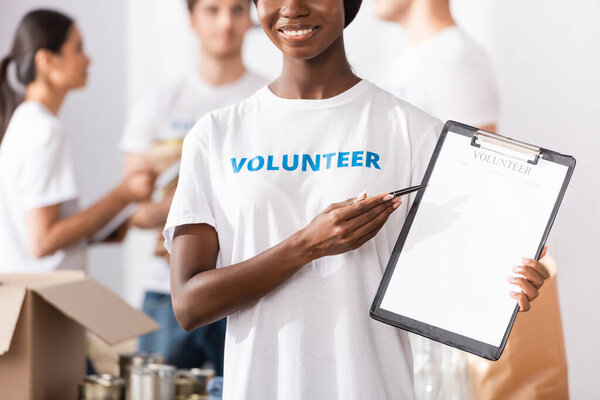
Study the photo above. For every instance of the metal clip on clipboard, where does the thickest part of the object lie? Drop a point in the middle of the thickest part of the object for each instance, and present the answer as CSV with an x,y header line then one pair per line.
x,y
504,145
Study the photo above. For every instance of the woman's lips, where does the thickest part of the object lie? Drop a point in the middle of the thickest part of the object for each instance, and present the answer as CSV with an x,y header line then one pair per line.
x,y
297,33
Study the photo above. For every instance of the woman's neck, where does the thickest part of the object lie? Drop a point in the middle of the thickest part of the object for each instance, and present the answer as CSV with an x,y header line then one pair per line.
x,y
324,76
41,92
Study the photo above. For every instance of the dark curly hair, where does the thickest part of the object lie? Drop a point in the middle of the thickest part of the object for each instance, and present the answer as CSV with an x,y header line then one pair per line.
x,y
351,8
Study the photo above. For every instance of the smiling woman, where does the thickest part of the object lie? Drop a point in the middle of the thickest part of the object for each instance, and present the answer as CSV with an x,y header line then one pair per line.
x,y
296,277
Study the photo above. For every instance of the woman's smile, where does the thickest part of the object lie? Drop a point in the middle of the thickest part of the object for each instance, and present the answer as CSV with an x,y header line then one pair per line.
x,y
297,33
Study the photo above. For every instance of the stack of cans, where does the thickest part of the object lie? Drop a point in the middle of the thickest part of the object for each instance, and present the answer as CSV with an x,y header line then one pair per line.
x,y
143,376
192,384
131,360
152,382
102,387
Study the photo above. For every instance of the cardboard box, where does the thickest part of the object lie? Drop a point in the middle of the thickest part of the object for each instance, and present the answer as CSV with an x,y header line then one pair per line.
x,y
43,318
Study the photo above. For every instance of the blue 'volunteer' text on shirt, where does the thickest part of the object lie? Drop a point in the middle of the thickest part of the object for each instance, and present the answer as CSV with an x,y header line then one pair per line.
x,y
307,162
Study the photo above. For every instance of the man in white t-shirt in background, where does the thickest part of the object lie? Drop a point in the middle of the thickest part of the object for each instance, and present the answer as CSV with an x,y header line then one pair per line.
x,y
445,73
221,80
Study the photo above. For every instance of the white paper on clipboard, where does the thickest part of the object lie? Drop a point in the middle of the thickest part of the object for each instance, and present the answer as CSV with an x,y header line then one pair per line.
x,y
450,273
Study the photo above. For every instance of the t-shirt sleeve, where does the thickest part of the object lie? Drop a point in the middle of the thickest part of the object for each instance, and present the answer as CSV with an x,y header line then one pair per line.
x,y
47,176
192,203
141,127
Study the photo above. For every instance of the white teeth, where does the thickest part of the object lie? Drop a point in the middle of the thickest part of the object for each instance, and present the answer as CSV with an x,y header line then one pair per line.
x,y
297,32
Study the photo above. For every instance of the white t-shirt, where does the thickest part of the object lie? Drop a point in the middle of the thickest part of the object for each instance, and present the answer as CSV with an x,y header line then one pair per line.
x,y
36,170
450,77
263,169
170,115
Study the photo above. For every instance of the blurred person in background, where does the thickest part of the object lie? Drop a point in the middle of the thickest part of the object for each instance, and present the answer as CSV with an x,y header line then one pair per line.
x,y
152,139
447,74
42,228
444,72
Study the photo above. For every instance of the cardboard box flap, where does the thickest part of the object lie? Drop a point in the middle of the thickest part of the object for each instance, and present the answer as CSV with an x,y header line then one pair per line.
x,y
98,309
33,279
11,300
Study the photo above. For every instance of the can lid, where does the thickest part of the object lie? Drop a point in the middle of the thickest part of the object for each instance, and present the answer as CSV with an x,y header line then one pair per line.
x,y
104,380
141,358
202,372
153,369
163,369
110,380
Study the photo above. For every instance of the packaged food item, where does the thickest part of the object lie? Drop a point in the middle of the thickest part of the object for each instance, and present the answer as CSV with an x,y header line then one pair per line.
x,y
215,388
139,359
152,382
203,377
186,384
102,387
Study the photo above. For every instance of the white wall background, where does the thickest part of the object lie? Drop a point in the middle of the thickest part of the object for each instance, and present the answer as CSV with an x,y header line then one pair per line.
x,y
547,57
546,54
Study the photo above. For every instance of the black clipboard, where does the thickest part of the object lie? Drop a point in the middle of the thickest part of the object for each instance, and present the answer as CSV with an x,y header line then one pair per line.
x,y
478,138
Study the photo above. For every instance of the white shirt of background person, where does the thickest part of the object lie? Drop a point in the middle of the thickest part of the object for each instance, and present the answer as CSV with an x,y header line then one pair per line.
x,y
221,80
36,170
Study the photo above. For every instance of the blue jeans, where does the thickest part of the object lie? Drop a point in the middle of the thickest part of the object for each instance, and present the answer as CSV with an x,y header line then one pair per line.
x,y
180,348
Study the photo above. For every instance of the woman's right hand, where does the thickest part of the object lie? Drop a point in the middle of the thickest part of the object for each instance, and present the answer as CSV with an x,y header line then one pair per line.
x,y
139,185
346,225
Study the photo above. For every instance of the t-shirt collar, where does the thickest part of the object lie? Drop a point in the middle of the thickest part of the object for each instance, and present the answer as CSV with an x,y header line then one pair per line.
x,y
353,93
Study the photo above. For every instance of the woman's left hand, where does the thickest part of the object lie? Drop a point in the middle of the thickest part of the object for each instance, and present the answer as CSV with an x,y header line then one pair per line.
x,y
532,276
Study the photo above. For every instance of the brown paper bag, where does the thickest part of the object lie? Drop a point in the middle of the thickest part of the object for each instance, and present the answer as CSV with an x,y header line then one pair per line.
x,y
533,365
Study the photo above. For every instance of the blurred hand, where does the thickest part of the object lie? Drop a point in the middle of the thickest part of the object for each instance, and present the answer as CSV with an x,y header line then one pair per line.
x,y
118,235
347,225
139,185
532,277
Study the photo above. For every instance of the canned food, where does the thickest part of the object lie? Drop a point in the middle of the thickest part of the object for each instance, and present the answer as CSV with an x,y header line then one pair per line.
x,y
152,382
135,359
140,358
197,397
202,376
103,387
186,384
192,397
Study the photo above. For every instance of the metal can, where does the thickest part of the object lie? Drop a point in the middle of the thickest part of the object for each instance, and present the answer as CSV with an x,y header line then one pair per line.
x,y
197,397
135,360
192,397
202,376
152,382
186,384
103,387
140,358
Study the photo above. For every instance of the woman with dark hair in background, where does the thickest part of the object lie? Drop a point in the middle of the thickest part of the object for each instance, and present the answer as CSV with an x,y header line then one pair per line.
x,y
41,227
297,281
